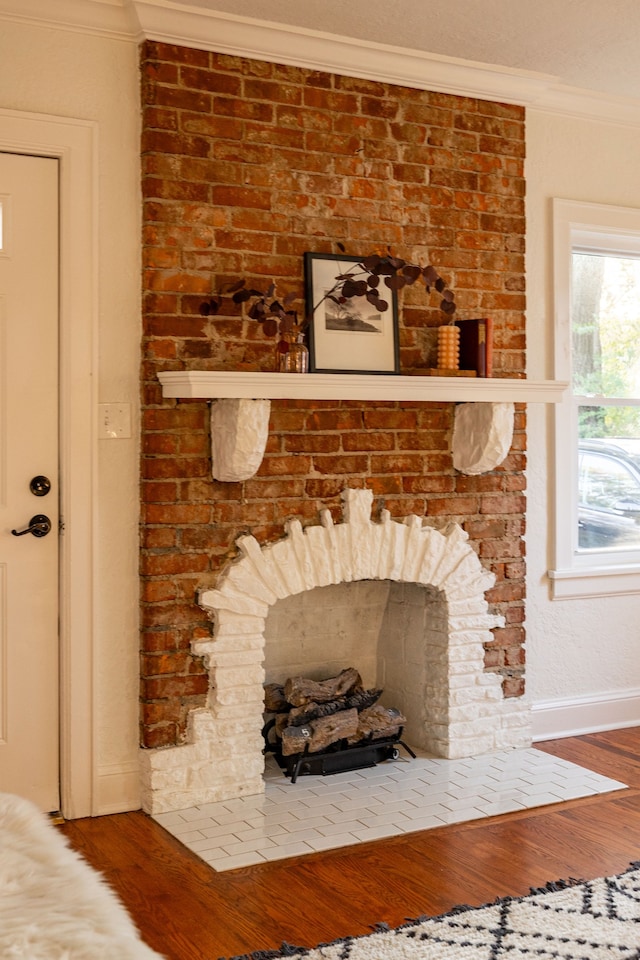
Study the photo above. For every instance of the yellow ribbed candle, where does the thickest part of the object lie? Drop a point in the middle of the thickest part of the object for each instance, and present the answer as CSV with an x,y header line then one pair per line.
x,y
448,347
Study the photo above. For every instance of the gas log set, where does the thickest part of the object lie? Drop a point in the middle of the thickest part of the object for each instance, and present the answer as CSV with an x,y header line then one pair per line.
x,y
329,726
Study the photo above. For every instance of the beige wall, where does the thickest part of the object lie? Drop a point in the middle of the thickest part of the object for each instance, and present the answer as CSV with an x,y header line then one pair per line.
x,y
583,663
74,75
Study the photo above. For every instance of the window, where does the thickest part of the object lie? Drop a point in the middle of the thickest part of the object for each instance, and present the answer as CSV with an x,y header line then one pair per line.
x,y
597,486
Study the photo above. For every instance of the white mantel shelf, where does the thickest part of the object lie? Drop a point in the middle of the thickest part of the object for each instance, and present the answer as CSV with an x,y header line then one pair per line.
x,y
218,385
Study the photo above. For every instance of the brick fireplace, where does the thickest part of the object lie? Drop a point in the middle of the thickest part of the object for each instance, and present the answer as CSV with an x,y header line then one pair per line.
x,y
428,648
247,165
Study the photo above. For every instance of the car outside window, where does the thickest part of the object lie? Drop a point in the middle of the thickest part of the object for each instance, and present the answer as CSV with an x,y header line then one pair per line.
x,y
608,498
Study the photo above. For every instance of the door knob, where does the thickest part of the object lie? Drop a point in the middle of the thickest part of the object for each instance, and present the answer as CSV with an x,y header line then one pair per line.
x,y
40,486
39,526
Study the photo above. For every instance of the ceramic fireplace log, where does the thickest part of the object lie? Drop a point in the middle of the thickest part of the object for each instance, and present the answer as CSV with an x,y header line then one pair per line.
x,y
379,723
353,726
311,711
320,733
295,717
274,698
300,690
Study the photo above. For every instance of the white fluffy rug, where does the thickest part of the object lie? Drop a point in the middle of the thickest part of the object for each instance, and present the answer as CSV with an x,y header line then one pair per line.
x,y
53,905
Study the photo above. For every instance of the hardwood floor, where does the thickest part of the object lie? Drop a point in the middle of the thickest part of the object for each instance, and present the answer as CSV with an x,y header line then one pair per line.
x,y
186,911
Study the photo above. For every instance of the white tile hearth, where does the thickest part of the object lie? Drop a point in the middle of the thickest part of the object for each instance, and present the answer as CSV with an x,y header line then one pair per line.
x,y
392,798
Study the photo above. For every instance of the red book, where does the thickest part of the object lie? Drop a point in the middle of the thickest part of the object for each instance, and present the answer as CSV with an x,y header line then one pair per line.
x,y
476,345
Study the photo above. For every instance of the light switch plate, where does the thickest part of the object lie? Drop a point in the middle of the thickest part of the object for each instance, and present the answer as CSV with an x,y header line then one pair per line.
x,y
114,421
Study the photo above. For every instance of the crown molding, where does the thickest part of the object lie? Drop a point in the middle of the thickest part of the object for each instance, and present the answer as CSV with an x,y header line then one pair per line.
x,y
191,24
115,19
171,22
574,103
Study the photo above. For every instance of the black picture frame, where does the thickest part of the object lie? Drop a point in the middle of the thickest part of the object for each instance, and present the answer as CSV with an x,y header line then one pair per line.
x,y
355,337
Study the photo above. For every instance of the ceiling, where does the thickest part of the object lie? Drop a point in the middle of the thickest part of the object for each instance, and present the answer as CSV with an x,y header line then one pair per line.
x,y
586,44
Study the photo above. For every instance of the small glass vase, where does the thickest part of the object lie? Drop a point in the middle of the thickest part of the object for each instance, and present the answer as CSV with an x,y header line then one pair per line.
x,y
296,359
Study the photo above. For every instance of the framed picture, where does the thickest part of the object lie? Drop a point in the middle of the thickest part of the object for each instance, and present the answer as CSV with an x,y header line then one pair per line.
x,y
350,337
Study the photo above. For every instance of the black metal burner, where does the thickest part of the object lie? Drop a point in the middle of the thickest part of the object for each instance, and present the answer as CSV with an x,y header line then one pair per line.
x,y
339,757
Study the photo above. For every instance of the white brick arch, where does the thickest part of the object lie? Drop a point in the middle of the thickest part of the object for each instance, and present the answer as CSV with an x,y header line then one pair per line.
x,y
223,756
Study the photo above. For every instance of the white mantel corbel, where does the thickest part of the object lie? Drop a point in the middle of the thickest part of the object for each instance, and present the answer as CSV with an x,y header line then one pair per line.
x,y
482,436
239,423
239,433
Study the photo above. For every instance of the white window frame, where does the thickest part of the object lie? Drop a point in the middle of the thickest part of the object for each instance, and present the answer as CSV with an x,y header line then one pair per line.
x,y
599,228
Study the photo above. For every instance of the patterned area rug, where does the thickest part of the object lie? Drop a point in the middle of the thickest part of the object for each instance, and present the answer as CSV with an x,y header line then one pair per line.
x,y
572,920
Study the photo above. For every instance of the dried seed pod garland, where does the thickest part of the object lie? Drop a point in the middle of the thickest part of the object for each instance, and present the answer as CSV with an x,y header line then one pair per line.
x,y
277,318
364,279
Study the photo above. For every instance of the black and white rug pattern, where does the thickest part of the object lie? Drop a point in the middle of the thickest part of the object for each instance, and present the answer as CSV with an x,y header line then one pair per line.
x,y
570,920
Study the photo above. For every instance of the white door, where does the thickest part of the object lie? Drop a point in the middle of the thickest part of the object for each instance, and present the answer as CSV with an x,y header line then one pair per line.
x,y
29,670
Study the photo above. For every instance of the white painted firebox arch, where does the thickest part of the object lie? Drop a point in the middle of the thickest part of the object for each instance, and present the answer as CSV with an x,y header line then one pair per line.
x,y
223,757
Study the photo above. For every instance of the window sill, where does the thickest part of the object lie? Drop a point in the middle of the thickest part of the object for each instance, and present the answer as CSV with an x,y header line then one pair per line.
x,y
608,581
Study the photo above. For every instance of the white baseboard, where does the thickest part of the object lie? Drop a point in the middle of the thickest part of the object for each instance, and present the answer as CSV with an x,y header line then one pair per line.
x,y
571,718
118,784
117,788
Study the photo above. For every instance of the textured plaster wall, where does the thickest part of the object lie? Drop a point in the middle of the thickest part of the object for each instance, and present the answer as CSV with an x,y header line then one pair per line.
x,y
576,649
72,75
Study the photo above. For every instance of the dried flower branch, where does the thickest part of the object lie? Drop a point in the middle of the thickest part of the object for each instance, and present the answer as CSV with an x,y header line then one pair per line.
x,y
396,273
362,280
275,317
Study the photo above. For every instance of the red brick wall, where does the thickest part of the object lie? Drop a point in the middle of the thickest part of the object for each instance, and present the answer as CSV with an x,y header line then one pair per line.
x,y
246,165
